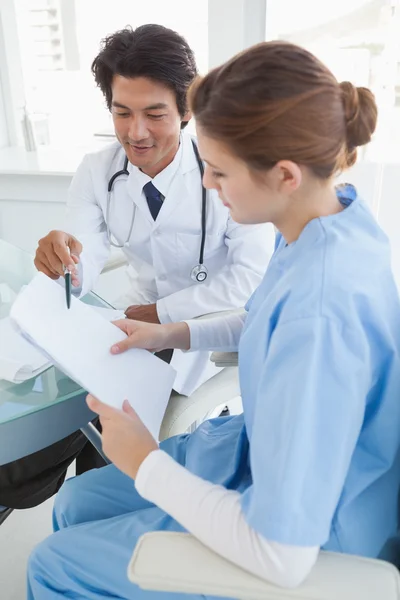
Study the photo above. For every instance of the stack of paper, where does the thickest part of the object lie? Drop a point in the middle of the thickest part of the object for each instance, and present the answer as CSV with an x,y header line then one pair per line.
x,y
79,341
19,360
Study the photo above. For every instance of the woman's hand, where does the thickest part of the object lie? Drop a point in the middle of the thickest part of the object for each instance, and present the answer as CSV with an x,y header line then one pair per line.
x,y
152,337
126,440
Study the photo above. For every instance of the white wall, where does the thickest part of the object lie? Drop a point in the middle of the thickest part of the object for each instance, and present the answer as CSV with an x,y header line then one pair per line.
x,y
11,77
243,25
389,212
30,206
4,139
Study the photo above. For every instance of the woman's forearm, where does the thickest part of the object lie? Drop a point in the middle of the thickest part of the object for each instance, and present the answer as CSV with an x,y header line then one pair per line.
x,y
177,336
221,333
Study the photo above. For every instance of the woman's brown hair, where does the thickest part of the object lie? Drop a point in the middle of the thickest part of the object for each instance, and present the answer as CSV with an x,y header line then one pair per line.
x,y
277,101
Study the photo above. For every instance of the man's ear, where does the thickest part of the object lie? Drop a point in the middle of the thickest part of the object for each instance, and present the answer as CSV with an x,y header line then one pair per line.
x,y
186,118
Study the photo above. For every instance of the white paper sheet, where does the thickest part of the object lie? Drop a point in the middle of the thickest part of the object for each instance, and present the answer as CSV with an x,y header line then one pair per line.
x,y
79,341
110,314
19,360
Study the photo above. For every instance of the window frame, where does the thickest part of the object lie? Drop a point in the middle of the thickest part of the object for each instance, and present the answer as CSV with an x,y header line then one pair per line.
x,y
232,26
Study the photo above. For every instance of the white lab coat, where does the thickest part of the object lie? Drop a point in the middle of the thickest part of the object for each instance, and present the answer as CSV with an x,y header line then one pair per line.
x,y
162,253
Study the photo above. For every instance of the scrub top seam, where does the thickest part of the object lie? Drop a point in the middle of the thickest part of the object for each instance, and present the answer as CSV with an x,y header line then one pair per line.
x,y
336,321
323,284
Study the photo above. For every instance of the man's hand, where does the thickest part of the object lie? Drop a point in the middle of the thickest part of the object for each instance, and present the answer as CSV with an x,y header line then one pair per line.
x,y
125,439
56,250
147,313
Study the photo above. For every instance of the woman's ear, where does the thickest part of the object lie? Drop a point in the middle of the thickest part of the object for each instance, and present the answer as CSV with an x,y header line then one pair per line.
x,y
289,174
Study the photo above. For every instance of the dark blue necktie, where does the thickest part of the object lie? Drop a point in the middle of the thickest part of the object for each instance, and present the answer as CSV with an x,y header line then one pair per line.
x,y
154,199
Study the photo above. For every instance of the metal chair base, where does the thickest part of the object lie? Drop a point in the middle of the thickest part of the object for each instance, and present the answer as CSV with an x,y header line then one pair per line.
x,y
6,512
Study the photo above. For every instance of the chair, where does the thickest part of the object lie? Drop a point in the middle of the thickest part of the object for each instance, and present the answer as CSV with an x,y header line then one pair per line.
x,y
116,260
177,562
4,513
183,411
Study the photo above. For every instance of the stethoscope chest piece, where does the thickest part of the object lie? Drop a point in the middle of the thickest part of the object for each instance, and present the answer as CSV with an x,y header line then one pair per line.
x,y
199,273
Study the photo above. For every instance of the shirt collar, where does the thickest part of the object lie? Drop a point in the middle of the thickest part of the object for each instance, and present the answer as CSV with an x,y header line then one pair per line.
x,y
163,180
348,198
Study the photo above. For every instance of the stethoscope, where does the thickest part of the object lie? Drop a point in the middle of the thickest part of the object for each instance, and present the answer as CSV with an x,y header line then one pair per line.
x,y
199,273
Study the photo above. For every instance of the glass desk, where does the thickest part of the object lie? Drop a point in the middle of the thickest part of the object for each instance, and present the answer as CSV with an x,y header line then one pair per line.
x,y
44,409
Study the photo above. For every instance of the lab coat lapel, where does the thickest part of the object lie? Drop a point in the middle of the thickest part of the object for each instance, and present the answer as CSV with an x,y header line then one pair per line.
x,y
134,190
178,191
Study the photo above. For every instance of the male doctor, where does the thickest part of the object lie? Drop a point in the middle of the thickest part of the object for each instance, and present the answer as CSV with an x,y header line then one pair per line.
x,y
144,194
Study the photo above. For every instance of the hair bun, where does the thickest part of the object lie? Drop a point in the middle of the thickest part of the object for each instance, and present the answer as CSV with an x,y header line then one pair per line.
x,y
360,114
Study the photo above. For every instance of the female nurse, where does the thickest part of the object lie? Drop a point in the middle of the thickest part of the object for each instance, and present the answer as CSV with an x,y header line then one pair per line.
x,y
313,463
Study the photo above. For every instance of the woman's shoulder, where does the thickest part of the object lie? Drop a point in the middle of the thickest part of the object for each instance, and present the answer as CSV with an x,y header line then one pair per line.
x,y
339,268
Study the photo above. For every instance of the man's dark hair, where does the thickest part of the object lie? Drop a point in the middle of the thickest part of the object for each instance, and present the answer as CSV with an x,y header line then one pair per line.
x,y
151,51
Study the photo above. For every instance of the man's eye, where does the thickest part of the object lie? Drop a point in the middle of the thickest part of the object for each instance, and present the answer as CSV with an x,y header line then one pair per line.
x,y
156,117
119,114
217,174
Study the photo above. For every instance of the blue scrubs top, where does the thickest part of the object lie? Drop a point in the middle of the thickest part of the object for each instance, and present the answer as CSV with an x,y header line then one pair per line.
x,y
319,364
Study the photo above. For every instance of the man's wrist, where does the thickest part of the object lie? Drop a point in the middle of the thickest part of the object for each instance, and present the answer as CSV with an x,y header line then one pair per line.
x,y
162,311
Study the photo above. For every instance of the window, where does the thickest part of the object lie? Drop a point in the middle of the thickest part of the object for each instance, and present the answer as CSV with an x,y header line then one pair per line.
x,y
60,38
359,40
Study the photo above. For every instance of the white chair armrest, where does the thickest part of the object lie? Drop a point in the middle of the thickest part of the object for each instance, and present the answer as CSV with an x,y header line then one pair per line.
x,y
117,259
177,562
183,411
225,359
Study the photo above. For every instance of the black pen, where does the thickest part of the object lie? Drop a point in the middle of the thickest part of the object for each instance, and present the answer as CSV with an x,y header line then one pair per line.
x,y
67,276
